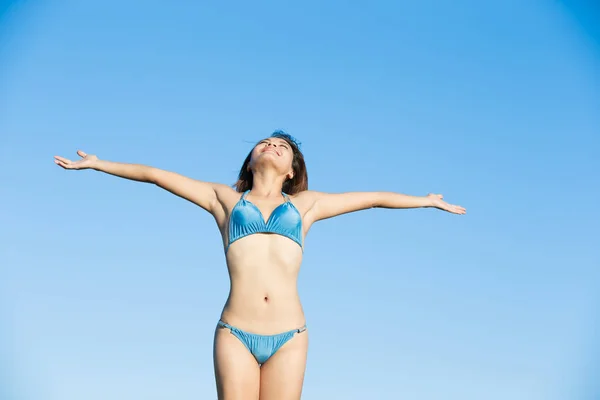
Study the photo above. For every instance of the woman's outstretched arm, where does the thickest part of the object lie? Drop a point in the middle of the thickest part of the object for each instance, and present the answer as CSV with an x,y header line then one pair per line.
x,y
328,205
201,193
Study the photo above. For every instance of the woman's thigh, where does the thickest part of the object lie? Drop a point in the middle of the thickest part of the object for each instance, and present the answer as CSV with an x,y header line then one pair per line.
x,y
237,373
282,376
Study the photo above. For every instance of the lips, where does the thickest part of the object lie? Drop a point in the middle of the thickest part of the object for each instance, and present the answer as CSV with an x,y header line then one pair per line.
x,y
270,149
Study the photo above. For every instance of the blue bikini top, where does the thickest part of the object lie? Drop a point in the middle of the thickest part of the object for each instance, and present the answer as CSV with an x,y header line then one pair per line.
x,y
246,219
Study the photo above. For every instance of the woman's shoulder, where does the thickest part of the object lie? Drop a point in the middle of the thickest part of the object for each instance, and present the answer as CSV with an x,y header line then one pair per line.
x,y
304,198
306,194
226,194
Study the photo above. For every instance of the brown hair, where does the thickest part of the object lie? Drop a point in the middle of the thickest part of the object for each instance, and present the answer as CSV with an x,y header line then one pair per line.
x,y
299,181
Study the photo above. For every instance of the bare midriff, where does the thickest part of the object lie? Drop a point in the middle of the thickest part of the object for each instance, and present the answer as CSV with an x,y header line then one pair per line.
x,y
263,271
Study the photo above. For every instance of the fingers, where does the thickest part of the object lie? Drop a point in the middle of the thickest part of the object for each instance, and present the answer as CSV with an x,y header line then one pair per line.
x,y
62,162
458,210
68,164
440,204
62,159
454,209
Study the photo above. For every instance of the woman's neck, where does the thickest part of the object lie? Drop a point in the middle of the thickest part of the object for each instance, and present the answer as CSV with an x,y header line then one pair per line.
x,y
266,184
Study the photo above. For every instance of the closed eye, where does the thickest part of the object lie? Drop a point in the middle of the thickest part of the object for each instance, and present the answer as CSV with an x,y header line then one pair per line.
x,y
283,144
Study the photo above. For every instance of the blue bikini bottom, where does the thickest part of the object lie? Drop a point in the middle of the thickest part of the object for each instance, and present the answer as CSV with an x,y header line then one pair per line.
x,y
262,347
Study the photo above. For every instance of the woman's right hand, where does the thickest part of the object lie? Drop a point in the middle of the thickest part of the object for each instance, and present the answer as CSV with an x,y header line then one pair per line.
x,y
87,161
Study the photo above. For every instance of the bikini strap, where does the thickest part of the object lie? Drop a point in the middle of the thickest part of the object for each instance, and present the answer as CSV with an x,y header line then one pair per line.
x,y
286,197
245,194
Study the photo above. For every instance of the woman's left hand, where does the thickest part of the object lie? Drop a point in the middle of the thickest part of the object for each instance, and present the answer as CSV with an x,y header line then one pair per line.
x,y
437,201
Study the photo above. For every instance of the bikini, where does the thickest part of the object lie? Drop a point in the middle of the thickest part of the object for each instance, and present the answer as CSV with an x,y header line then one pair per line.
x,y
246,219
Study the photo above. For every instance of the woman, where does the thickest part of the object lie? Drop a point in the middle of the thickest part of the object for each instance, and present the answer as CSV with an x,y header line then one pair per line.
x,y
261,340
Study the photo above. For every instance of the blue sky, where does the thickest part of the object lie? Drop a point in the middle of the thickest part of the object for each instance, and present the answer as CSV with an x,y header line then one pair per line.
x,y
111,289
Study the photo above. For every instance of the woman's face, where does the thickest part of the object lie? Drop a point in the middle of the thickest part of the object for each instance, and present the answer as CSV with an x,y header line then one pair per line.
x,y
274,152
